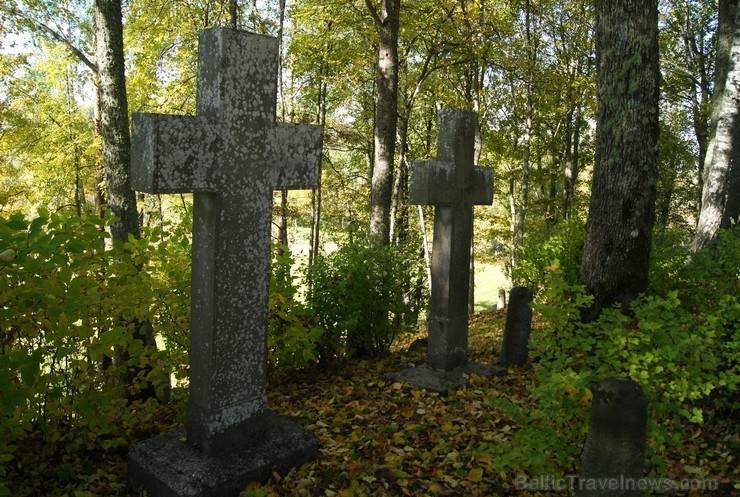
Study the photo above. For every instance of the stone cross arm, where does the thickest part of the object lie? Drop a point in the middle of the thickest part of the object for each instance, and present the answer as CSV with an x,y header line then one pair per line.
x,y
435,183
174,154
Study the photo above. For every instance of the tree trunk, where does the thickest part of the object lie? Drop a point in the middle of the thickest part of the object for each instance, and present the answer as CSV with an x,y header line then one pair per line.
x,y
720,202
621,214
283,223
116,147
572,145
386,116
234,14
399,216
512,231
529,126
114,127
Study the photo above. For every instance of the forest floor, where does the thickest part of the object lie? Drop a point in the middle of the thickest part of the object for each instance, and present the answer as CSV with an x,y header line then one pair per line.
x,y
382,438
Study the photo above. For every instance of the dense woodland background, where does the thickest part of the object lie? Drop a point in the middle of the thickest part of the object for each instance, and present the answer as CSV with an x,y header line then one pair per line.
x,y
94,279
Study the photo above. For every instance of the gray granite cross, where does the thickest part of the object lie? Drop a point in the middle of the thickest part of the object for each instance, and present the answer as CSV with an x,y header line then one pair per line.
x,y
453,185
231,155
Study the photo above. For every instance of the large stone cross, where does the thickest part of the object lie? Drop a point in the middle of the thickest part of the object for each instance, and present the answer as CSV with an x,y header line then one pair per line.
x,y
231,155
453,184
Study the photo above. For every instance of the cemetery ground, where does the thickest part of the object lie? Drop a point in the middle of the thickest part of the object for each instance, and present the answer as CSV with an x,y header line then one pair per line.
x,y
382,438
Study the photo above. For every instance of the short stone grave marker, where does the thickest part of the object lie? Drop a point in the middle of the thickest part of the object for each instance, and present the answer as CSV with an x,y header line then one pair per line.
x,y
515,345
501,303
613,458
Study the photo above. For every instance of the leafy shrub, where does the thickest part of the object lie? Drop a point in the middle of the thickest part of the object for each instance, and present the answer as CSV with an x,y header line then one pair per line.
x,y
678,357
361,295
562,242
68,304
293,333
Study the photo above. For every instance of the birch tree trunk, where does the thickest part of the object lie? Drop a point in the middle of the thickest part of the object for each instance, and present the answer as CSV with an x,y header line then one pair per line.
x,y
720,196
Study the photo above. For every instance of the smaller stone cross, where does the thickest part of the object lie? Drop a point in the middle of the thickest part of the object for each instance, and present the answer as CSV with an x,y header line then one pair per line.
x,y
231,155
453,184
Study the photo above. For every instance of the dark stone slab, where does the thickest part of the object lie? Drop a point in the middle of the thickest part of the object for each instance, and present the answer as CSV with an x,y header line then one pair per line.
x,y
613,458
441,381
170,466
515,346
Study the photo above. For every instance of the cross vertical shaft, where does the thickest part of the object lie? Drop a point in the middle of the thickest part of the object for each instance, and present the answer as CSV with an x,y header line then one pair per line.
x,y
453,184
231,155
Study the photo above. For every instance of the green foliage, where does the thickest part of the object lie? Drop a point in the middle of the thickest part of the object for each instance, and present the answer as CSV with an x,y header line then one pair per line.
x,y
293,333
361,295
70,306
562,242
679,357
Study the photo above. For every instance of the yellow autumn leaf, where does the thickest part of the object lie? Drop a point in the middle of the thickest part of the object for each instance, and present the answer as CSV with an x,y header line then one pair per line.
x,y
475,475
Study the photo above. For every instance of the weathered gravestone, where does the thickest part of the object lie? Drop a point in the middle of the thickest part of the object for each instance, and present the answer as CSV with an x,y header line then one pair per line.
x,y
232,155
614,455
501,304
453,184
515,345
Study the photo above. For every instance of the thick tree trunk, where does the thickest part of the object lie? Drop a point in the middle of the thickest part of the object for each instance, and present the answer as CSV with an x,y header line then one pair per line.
x,y
114,128
386,116
720,202
621,215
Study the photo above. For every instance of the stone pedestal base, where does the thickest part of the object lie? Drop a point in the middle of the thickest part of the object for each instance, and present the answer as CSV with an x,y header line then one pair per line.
x,y
168,466
440,381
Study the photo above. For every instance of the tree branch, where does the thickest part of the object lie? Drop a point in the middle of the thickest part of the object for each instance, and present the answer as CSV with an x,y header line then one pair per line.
x,y
374,13
55,35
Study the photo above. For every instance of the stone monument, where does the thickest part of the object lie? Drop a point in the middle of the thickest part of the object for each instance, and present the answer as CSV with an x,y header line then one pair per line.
x,y
515,346
613,458
453,184
501,302
231,155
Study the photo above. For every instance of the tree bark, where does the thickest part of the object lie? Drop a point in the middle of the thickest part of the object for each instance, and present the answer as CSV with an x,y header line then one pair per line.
x,y
114,126
720,202
399,216
531,62
386,117
572,146
234,14
116,147
283,222
621,215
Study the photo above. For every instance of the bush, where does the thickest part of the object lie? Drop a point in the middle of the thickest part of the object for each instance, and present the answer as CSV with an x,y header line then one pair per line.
x,y
293,334
562,242
70,306
361,294
679,357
